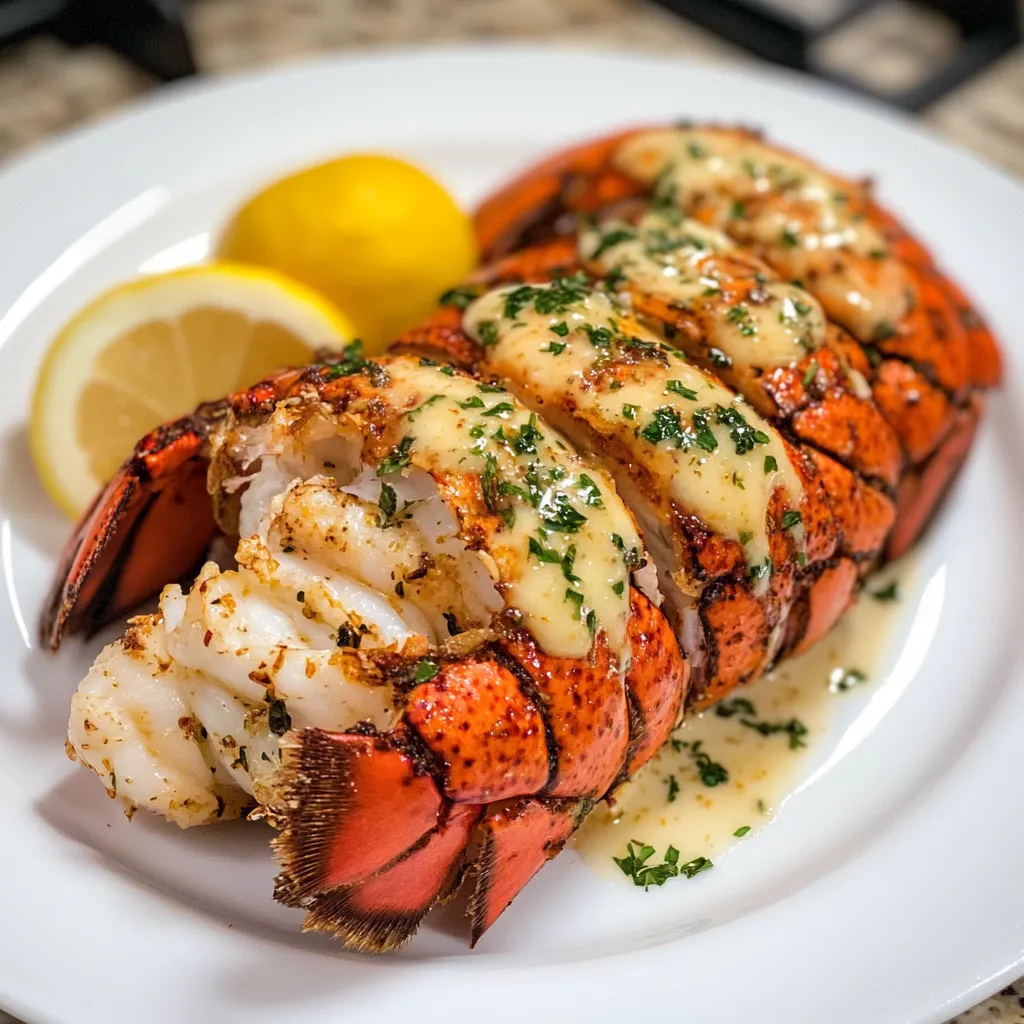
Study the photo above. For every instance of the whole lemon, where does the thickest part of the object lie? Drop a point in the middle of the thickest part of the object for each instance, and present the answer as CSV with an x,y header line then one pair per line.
x,y
377,236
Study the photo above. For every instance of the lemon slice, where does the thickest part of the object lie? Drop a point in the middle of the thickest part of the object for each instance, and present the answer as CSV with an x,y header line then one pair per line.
x,y
150,350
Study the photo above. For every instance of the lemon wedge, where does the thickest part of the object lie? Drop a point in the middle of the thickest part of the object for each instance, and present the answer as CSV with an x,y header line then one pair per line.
x,y
150,350
377,236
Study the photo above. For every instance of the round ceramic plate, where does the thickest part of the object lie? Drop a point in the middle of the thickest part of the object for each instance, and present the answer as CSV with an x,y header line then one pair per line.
x,y
887,890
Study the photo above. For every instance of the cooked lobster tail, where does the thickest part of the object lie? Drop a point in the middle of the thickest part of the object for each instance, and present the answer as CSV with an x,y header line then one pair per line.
x,y
375,827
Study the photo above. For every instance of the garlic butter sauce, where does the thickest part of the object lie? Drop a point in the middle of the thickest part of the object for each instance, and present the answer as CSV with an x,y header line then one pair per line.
x,y
795,704
719,458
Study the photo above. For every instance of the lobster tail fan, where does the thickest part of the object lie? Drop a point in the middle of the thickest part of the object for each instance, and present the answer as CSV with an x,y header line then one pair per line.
x,y
381,913
515,841
129,544
348,805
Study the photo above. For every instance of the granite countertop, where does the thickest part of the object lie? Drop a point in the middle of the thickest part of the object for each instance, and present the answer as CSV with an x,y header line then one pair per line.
x,y
46,87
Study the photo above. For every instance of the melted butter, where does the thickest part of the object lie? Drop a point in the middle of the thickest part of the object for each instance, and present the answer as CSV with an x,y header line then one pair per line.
x,y
676,419
762,770
807,225
546,495
673,258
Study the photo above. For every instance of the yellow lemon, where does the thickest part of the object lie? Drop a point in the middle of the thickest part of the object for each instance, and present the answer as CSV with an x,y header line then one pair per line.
x,y
378,237
151,350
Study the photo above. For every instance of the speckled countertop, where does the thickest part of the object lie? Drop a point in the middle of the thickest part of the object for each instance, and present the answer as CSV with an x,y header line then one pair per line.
x,y
45,88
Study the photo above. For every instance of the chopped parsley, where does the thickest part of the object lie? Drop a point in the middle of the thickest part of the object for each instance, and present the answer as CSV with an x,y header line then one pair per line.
x,y
635,865
526,437
600,337
704,435
740,316
500,409
761,569
711,772
789,238
488,331
554,558
677,388
610,239
561,329
771,464
388,505
349,360
560,516
556,348
793,728
577,599
718,358
743,435
397,458
425,670
891,592
473,402
665,426
630,411
741,831
790,519
811,373
557,297
589,492
460,298
489,483
673,789
413,413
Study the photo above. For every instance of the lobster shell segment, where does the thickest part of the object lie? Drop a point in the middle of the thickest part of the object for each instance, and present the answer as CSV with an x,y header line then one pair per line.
x,y
517,840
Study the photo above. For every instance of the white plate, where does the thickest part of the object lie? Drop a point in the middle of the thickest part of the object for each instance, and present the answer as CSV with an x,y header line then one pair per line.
x,y
888,890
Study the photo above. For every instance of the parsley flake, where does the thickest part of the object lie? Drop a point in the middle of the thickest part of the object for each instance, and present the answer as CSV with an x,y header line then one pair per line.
x,y
677,388
425,670
397,458
891,592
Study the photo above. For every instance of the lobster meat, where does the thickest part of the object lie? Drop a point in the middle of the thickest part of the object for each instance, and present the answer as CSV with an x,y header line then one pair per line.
x,y
699,390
